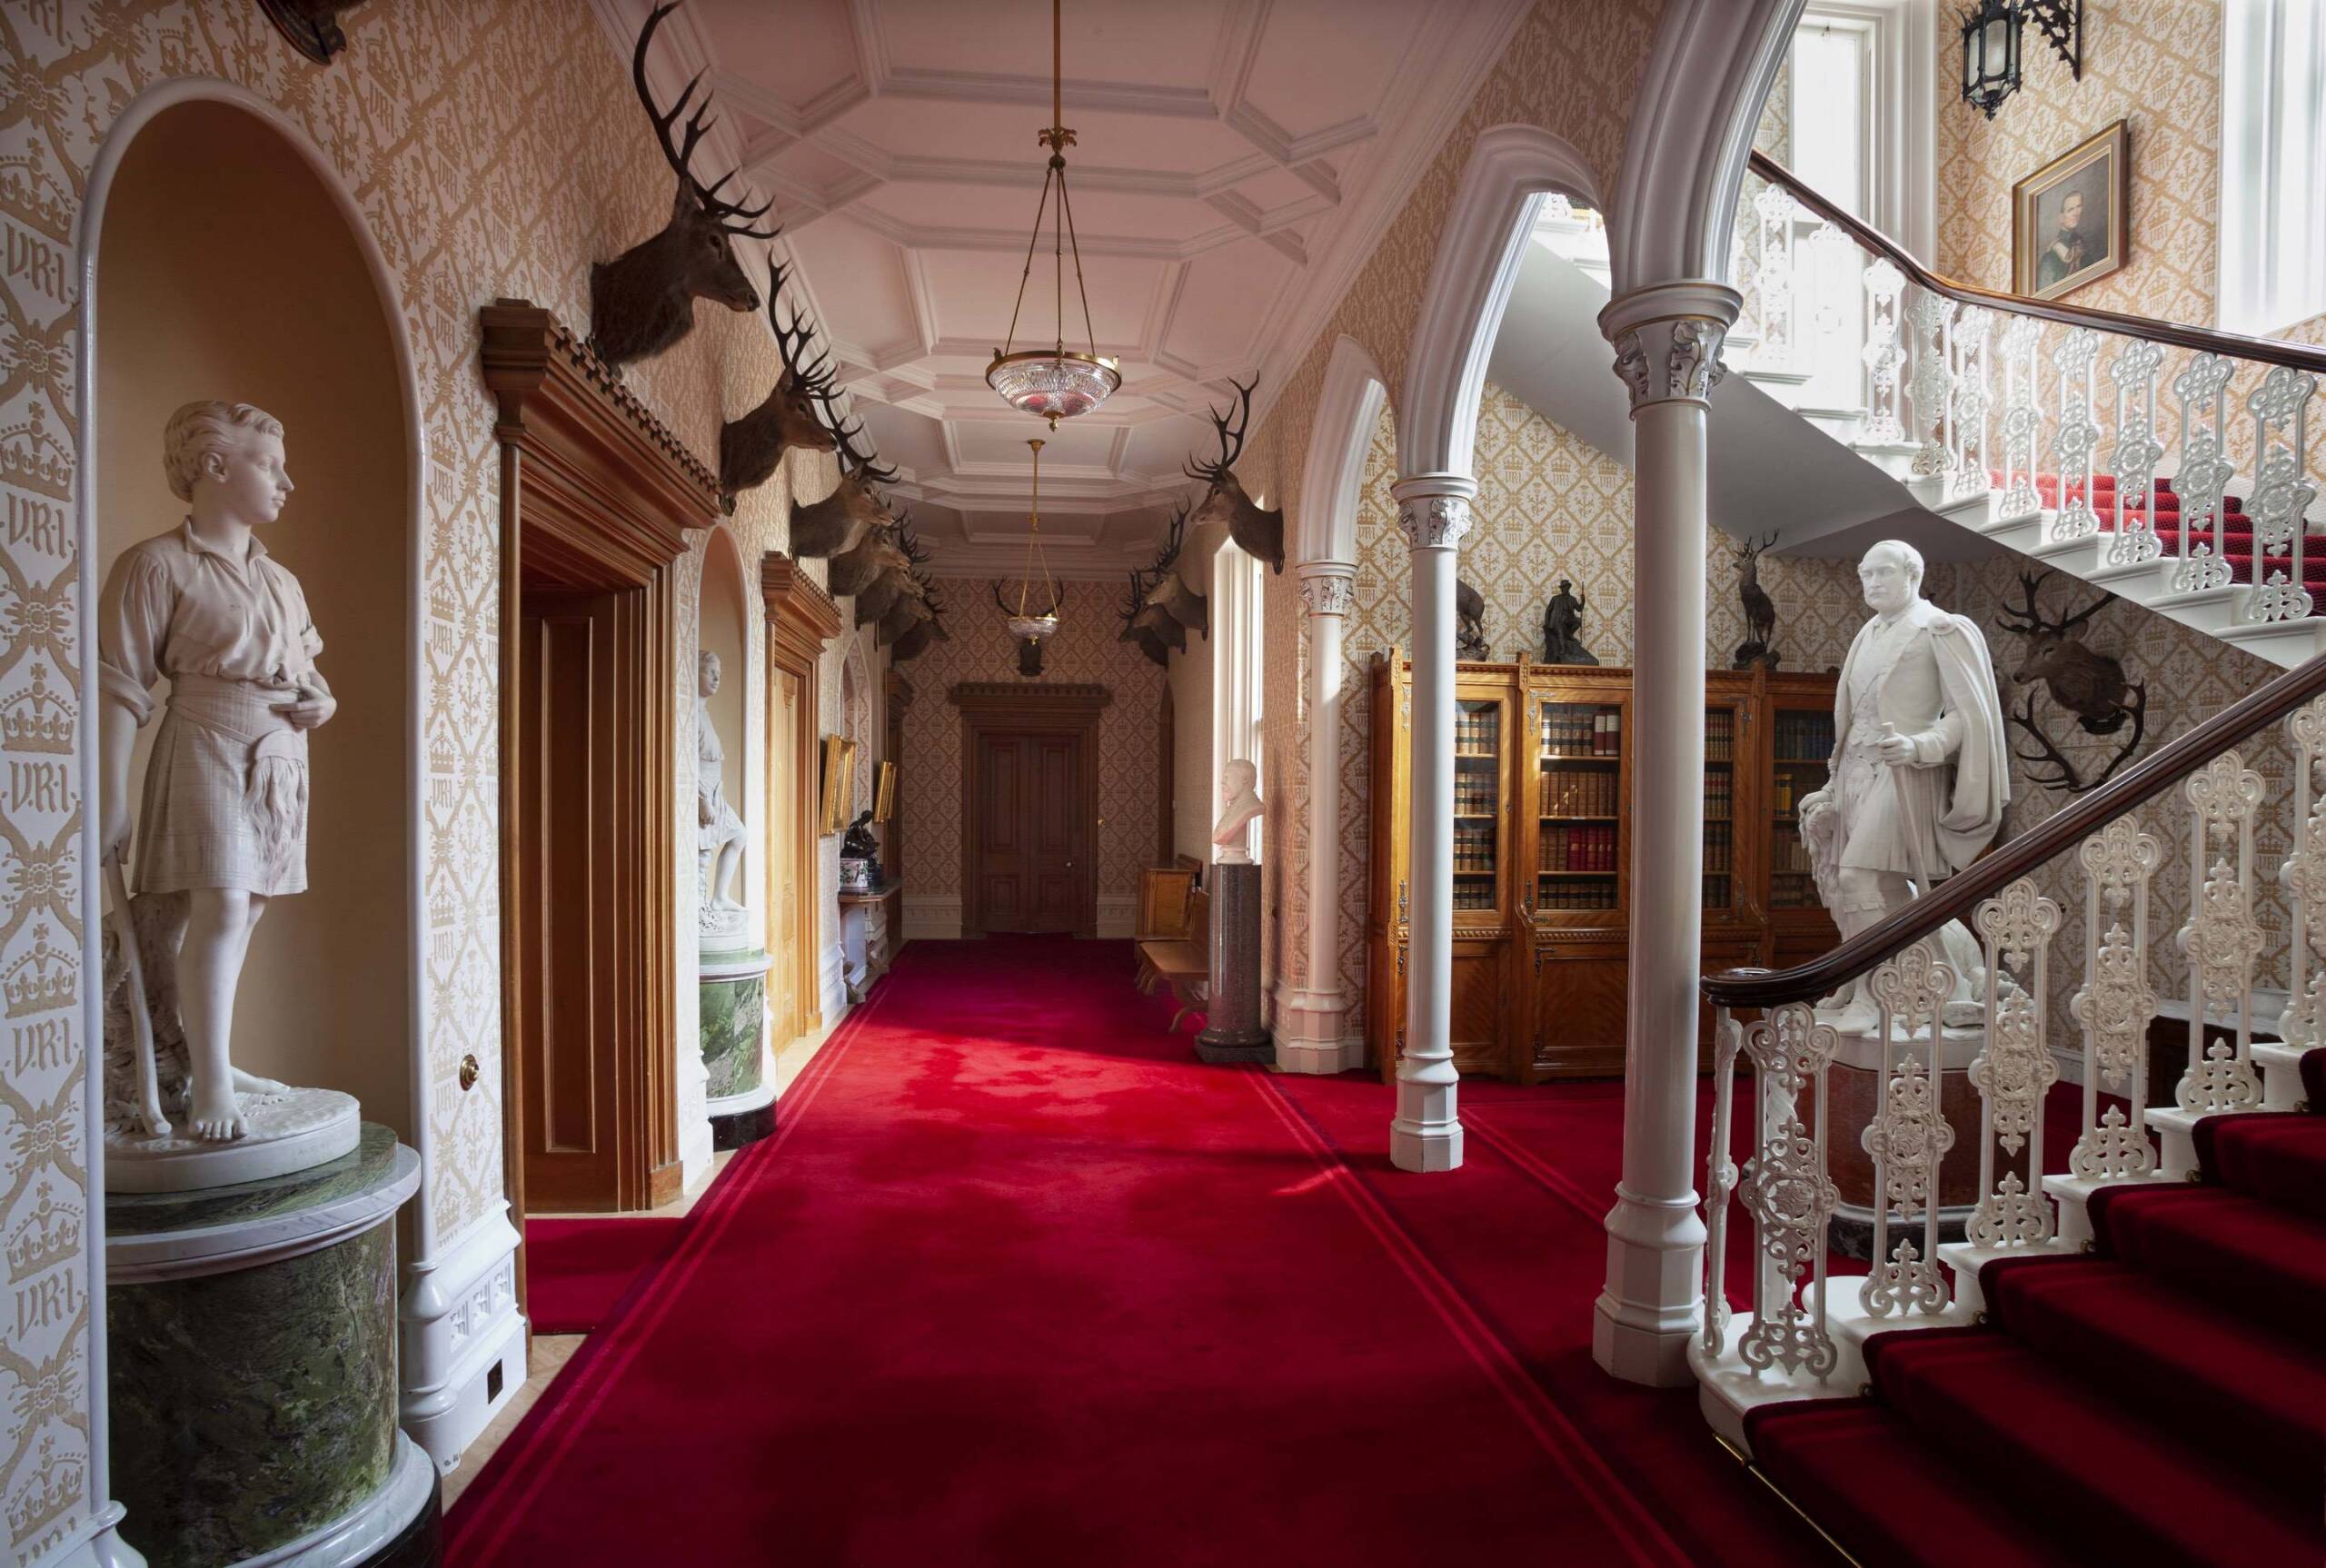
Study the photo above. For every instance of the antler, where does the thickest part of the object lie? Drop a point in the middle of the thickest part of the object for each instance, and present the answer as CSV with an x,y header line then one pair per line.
x,y
909,542
2065,777
2030,621
1175,538
846,431
1231,442
733,216
792,342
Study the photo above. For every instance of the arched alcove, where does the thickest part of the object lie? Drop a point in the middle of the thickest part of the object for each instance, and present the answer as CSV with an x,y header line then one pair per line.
x,y
225,268
721,629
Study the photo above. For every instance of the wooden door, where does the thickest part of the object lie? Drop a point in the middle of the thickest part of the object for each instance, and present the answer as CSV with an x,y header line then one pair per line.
x,y
1031,841
787,899
565,782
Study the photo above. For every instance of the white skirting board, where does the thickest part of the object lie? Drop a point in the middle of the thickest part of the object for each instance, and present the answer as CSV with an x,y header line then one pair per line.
x,y
932,917
1117,917
463,1339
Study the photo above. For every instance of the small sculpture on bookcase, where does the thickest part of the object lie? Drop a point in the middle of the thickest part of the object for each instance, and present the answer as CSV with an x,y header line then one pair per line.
x,y
1760,644
1470,623
1563,627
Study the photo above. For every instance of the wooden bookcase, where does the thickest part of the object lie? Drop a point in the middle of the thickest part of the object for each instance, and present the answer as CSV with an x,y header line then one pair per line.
x,y
1542,853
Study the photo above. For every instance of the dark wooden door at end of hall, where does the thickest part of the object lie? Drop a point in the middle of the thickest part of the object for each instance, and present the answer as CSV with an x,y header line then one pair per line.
x,y
1032,852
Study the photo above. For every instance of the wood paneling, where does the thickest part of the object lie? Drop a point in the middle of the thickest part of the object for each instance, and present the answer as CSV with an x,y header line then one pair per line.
x,y
800,618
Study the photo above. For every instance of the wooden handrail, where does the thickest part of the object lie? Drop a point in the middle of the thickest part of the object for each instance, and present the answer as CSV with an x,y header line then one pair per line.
x,y
2204,340
1954,899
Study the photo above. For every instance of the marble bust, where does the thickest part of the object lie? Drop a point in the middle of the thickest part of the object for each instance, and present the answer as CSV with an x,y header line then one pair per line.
x,y
222,827
1242,782
720,834
1920,771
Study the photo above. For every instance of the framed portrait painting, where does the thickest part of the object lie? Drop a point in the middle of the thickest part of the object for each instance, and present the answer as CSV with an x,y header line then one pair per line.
x,y
2070,219
838,804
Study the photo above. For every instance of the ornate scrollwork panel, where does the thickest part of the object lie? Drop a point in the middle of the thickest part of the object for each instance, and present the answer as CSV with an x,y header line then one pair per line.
x,y
2021,418
1786,1190
1883,355
1931,382
2282,492
2077,436
2137,454
2224,939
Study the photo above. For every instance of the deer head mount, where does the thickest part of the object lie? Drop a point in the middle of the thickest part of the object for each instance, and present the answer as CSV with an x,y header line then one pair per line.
x,y
750,448
1469,623
1259,534
1029,649
917,602
310,27
839,521
642,302
1149,642
2091,686
887,551
1168,608
1759,646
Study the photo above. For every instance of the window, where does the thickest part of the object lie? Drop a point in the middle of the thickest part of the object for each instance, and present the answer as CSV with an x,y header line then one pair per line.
x,y
2272,145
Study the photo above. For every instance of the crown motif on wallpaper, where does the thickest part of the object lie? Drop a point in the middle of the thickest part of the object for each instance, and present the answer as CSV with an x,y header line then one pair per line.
x,y
39,717
41,981
50,1234
51,1490
36,456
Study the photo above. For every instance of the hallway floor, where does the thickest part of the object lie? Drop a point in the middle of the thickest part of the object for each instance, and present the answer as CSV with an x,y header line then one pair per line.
x,y
1019,1281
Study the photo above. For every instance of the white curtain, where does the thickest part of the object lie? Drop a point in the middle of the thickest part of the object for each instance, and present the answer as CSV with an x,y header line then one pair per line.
x,y
2273,163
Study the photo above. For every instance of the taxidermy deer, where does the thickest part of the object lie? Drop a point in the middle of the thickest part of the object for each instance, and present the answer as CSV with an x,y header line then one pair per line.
x,y
1171,608
750,448
884,551
916,604
838,522
642,302
2090,685
1259,534
1149,643
876,598
1759,646
1029,649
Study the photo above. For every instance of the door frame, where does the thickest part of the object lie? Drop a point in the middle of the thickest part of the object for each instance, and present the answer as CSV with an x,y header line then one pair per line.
x,y
1012,707
800,619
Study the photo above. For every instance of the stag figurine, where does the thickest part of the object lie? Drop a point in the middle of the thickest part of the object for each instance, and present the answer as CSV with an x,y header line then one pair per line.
x,y
1259,534
2091,686
839,521
642,302
1469,623
750,448
1759,646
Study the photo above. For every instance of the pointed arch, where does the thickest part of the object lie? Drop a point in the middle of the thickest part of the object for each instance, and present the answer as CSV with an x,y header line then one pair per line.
x,y
1347,411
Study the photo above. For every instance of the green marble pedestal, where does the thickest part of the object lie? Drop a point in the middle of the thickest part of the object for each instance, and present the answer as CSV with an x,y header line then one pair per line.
x,y
252,1370
733,987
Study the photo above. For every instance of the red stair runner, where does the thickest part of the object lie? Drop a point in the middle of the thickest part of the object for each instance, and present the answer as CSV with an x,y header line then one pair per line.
x,y
2163,514
2164,1402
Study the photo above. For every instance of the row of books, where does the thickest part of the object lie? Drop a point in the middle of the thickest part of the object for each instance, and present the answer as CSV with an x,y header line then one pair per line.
x,y
1577,896
1577,849
1787,854
1570,730
1475,791
1478,728
1793,891
1720,736
1474,895
1474,845
1805,736
1579,792
1790,789
1720,793
1720,847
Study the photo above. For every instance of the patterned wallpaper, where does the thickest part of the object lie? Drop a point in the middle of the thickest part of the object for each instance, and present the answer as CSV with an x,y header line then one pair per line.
x,y
1085,648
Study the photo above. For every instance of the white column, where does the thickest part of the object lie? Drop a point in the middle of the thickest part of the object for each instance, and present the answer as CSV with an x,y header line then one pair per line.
x,y
1667,347
1434,509
1314,1017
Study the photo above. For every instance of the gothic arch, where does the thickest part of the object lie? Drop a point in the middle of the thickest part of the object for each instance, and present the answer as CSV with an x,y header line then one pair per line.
x,y
1326,528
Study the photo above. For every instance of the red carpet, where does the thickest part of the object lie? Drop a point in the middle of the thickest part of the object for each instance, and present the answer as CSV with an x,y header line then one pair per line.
x,y
1018,1282
576,1270
2161,1402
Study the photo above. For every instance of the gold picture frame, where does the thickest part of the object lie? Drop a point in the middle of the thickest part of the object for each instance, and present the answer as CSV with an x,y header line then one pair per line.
x,y
836,803
884,792
2058,242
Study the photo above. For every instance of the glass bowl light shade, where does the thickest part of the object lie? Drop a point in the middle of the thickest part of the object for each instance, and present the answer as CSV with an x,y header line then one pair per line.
x,y
1033,628
1053,383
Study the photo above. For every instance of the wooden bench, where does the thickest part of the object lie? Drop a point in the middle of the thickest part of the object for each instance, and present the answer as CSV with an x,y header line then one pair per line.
x,y
1179,959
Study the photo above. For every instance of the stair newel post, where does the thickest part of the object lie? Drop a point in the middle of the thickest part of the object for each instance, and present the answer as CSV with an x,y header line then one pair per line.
x,y
2022,417
1883,355
1720,1179
2014,1068
2202,480
2222,938
1969,340
1931,383
2303,873
2116,1002
1908,1136
2282,491
2134,373
2077,436
1773,211
1788,1189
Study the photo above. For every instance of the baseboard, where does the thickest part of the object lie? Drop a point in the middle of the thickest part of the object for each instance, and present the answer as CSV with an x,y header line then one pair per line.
x,y
831,983
936,917
463,1339
1118,917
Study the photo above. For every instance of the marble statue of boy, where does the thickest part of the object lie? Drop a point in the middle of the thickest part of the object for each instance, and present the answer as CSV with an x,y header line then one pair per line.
x,y
719,839
1231,833
1920,771
223,817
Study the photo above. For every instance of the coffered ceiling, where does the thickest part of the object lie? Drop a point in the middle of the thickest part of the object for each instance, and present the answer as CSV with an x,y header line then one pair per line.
x,y
1236,159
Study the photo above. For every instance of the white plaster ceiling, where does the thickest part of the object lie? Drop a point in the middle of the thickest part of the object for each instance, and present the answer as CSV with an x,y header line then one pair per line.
x,y
1236,162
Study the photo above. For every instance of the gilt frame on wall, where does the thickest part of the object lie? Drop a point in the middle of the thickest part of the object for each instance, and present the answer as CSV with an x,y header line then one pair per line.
x,y
837,801
884,792
2050,256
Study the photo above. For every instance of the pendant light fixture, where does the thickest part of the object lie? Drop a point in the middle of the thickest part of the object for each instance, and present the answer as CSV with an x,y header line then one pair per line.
x,y
1056,382
1036,617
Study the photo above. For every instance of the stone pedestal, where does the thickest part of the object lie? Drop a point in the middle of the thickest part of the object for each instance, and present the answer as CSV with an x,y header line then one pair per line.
x,y
1232,1030
1853,1096
734,1046
252,1371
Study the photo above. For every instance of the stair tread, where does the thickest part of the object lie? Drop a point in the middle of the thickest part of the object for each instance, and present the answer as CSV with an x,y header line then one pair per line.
x,y
2259,1393
1886,1495
2277,1158
2267,1264
2112,1480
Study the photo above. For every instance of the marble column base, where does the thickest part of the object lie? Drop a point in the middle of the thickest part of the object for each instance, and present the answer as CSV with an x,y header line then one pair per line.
x,y
252,1368
733,990
743,1119
1232,1030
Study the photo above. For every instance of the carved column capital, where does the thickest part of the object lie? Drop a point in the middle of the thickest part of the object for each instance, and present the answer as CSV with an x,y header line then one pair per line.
x,y
1667,340
1434,509
1329,587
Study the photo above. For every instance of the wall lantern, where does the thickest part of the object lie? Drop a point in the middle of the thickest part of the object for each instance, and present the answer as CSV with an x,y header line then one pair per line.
x,y
1991,58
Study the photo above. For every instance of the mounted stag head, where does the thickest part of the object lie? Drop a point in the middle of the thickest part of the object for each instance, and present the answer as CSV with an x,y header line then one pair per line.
x,y
642,302
839,521
1135,601
2092,686
916,604
751,447
874,599
1259,534
1172,609
1759,646
1029,649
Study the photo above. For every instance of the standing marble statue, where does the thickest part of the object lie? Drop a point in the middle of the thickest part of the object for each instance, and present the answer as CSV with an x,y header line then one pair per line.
x,y
222,827
719,837
1920,771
